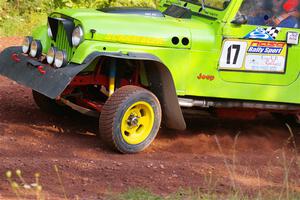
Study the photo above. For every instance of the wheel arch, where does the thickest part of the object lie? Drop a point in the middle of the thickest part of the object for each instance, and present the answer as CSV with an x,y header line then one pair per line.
x,y
161,83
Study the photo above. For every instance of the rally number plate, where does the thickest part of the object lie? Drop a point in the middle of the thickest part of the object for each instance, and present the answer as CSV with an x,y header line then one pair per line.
x,y
253,56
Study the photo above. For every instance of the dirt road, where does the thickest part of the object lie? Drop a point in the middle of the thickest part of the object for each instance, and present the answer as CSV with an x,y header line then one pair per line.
x,y
34,142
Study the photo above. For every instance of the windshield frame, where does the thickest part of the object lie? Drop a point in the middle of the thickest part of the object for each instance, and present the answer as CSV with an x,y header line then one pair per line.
x,y
200,4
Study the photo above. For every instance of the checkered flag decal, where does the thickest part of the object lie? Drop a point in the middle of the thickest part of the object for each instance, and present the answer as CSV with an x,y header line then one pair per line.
x,y
273,31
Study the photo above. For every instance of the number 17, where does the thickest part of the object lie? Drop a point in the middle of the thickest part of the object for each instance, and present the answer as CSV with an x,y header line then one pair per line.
x,y
229,52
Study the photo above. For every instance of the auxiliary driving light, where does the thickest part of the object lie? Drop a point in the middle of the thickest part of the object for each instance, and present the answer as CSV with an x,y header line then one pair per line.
x,y
26,44
36,49
60,59
51,55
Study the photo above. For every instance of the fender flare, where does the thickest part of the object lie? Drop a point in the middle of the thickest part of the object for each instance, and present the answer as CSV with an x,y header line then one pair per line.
x,y
161,84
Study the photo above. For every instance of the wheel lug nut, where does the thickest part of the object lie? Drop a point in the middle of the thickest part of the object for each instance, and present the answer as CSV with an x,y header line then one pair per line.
x,y
133,120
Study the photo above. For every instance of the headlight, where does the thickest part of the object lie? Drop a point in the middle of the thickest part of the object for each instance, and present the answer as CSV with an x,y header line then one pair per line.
x,y
77,36
60,59
50,32
51,55
36,49
26,44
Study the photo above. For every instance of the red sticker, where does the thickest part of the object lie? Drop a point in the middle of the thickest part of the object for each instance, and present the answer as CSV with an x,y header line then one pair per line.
x,y
206,77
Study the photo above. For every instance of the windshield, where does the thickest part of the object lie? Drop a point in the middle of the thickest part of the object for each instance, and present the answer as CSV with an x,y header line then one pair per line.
x,y
215,4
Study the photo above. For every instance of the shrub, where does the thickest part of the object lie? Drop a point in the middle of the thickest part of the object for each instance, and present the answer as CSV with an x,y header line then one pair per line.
x,y
19,17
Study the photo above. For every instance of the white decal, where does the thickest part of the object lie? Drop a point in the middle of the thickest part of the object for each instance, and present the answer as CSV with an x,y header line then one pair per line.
x,y
233,54
293,38
265,63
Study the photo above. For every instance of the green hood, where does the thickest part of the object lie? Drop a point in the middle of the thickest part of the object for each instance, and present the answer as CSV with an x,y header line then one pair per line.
x,y
135,29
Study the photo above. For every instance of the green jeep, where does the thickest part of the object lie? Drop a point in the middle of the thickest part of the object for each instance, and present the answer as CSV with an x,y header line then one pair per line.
x,y
136,67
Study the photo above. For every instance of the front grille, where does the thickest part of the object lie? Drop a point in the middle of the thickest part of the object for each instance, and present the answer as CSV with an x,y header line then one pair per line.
x,y
62,42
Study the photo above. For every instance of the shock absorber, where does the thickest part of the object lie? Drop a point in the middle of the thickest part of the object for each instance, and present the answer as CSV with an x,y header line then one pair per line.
x,y
112,77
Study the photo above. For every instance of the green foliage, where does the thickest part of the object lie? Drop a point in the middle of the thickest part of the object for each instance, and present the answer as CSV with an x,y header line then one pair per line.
x,y
138,194
19,17
189,194
101,3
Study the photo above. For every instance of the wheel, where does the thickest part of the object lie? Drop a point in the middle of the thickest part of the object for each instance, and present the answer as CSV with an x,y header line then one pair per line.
x,y
46,104
130,119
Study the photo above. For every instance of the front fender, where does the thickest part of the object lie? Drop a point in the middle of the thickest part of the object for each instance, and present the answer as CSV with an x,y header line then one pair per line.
x,y
52,82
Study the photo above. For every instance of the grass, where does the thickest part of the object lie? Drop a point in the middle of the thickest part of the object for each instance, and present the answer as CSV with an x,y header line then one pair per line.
x,y
188,194
22,25
22,189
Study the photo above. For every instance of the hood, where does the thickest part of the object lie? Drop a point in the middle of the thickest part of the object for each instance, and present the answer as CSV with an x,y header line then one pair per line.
x,y
146,27
135,11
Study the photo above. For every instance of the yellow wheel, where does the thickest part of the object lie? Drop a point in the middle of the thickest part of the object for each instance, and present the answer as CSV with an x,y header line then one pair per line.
x,y
137,123
130,119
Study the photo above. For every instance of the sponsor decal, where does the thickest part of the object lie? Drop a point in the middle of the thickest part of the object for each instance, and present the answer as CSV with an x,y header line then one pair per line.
x,y
205,77
253,55
265,63
258,47
264,33
132,39
265,50
293,38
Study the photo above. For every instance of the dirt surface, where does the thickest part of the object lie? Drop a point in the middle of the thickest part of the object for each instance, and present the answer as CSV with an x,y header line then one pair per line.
x,y
206,156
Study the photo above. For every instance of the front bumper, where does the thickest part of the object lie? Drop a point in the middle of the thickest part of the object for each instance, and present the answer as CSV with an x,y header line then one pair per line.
x,y
40,77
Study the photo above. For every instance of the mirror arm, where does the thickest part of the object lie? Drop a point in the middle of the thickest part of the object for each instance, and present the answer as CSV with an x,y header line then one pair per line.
x,y
240,20
203,4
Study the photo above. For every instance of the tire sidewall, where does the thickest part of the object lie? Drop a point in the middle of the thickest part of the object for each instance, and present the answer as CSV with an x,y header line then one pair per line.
x,y
117,133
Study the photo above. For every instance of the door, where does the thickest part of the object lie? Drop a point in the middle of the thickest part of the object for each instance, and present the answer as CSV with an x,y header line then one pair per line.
x,y
264,50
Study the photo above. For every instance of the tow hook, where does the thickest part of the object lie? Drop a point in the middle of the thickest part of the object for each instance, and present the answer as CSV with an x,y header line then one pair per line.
x,y
41,70
15,57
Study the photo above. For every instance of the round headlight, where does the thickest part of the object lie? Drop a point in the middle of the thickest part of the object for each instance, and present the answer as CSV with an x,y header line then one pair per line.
x,y
60,59
26,44
50,32
51,55
77,36
36,49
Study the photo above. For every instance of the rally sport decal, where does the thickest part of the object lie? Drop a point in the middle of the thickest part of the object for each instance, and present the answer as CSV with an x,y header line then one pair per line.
x,y
253,56
264,33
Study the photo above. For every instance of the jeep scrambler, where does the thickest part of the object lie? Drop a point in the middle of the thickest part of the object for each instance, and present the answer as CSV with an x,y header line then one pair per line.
x,y
136,67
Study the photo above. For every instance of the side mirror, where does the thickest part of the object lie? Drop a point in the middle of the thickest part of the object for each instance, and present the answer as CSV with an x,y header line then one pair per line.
x,y
239,20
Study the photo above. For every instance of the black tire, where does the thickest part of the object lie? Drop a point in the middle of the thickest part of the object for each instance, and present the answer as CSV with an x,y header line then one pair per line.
x,y
46,104
113,115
